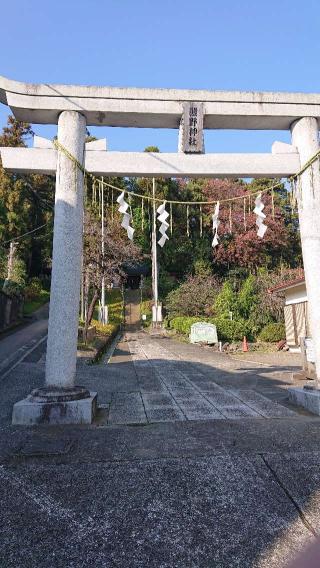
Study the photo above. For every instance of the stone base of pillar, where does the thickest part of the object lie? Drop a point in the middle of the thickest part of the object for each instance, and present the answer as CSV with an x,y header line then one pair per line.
x,y
54,405
308,398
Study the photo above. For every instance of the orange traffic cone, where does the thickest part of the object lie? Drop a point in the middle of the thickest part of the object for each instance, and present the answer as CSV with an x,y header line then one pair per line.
x,y
245,345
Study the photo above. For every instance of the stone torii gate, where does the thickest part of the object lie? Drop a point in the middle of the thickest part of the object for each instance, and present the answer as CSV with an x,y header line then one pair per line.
x,y
74,108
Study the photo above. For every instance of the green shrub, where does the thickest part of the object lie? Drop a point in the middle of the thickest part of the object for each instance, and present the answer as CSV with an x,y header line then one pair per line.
x,y
273,332
34,288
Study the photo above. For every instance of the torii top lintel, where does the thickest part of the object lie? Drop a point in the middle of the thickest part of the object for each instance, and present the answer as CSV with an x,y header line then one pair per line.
x,y
157,108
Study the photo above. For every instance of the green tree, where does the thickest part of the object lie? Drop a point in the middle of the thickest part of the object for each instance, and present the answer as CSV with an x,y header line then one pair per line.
x,y
247,297
26,202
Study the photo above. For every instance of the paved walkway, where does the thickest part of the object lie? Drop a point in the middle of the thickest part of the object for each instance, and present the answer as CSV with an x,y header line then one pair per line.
x,y
195,460
169,388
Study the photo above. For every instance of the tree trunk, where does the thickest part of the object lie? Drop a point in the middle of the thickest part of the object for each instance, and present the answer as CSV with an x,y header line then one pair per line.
x,y
90,312
86,295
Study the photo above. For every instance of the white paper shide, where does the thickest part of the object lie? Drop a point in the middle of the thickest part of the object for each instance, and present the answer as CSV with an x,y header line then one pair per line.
x,y
215,225
162,218
258,210
124,206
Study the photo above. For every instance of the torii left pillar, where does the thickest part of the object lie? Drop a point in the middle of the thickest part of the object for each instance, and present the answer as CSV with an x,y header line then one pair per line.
x,y
60,401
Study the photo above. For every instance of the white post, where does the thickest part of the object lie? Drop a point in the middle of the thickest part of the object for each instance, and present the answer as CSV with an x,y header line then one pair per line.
x,y
11,255
66,257
154,252
305,137
104,318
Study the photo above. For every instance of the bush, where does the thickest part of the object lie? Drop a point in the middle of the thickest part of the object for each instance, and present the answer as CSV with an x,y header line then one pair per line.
x,y
115,310
32,304
34,289
12,288
273,332
110,329
258,319
202,268
166,284
182,324
232,330
247,297
146,309
225,302
194,297
15,286
45,282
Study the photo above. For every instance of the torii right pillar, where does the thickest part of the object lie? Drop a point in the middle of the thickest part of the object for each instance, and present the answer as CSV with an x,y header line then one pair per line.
x,y
305,136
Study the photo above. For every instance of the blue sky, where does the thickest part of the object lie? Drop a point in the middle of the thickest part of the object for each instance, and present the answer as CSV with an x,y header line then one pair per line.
x,y
209,44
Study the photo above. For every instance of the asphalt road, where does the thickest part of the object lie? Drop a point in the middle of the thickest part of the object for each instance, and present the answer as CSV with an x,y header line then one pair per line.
x,y
15,344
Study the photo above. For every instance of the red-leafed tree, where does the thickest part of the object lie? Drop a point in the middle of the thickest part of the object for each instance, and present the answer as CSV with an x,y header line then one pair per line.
x,y
239,244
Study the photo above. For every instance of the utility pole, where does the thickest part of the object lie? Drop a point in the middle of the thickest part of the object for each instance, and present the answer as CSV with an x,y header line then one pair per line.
x,y
154,256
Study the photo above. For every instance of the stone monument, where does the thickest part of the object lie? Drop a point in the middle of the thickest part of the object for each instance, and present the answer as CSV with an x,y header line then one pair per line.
x,y
203,332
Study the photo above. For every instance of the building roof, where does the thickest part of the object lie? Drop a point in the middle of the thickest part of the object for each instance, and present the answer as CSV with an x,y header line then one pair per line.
x,y
285,285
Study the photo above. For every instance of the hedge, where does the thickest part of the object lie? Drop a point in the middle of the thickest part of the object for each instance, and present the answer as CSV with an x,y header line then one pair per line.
x,y
228,330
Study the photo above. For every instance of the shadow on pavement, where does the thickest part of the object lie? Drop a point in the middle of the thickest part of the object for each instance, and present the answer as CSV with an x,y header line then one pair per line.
x,y
218,493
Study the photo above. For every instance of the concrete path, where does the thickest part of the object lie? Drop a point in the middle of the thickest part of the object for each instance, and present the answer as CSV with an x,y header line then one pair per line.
x,y
195,460
132,310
